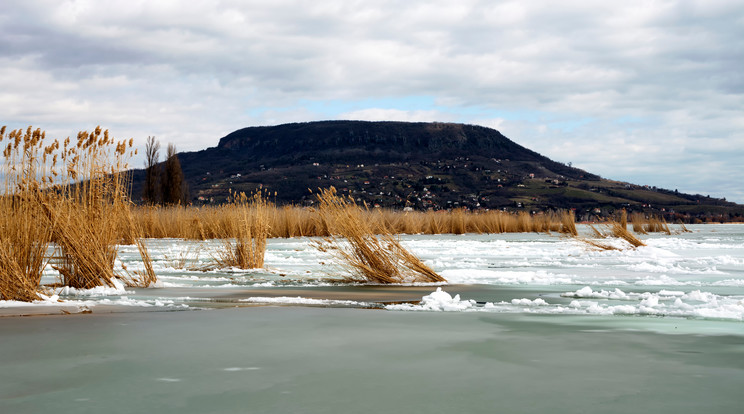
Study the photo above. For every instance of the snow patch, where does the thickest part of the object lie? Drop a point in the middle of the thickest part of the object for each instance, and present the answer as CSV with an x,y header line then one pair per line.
x,y
286,300
98,291
527,302
436,301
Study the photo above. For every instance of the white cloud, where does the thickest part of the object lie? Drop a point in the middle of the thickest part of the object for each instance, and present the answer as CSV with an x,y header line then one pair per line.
x,y
645,90
382,114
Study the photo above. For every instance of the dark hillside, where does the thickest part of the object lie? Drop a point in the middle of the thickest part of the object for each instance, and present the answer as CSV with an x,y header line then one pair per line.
x,y
417,165
360,141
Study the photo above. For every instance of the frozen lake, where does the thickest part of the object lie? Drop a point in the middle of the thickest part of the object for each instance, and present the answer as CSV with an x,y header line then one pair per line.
x,y
527,323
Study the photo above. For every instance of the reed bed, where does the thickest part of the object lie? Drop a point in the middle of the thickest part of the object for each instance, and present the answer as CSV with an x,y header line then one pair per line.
x,y
568,224
618,229
250,224
369,254
147,276
73,194
291,221
141,278
653,224
214,222
25,233
88,207
638,220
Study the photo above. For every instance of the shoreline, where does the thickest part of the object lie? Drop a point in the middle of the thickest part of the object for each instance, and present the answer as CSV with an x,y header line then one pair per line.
x,y
374,294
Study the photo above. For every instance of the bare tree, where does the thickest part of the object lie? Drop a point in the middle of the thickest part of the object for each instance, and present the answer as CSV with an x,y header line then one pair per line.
x,y
173,187
151,190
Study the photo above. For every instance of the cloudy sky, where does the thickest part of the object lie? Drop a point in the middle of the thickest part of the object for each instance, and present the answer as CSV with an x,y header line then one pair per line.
x,y
650,92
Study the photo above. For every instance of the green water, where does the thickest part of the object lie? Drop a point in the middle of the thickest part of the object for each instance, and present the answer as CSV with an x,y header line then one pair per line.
x,y
321,360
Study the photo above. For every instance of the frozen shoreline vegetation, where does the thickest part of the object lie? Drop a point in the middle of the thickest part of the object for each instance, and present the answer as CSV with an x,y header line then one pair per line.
x,y
72,197
72,242
698,275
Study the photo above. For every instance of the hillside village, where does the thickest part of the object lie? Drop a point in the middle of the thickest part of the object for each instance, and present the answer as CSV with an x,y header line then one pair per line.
x,y
420,166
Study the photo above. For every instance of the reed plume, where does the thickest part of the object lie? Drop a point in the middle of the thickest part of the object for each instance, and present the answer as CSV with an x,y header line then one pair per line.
x,y
25,233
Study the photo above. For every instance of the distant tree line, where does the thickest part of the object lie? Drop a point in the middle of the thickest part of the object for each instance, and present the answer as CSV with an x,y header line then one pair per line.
x,y
164,183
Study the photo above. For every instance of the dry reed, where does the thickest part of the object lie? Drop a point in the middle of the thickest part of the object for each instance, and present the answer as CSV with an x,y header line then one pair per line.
x,y
620,230
75,196
142,278
598,245
617,229
88,208
181,260
368,257
683,228
596,232
568,223
658,225
251,228
25,233
216,222
653,224
637,220
146,277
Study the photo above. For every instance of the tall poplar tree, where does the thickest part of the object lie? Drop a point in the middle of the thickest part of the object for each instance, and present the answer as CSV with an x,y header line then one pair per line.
x,y
173,186
151,190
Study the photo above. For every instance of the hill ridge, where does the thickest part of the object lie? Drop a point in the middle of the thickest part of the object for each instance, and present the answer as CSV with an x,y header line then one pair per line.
x,y
421,165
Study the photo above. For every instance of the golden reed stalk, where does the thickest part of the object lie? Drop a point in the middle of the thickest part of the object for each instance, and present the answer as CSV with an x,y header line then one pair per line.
x,y
215,222
25,232
75,195
369,254
250,224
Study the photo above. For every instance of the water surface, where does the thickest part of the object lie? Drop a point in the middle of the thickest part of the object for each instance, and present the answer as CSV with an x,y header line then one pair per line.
x,y
527,323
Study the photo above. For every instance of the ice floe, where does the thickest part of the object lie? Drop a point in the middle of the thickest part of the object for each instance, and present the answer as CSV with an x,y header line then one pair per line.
x,y
286,300
693,304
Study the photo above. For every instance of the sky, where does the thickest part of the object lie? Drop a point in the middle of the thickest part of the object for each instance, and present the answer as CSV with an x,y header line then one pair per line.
x,y
649,92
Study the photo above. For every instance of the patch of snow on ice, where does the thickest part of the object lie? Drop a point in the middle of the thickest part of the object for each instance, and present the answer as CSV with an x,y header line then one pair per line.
x,y
436,301
118,289
663,280
488,276
527,302
587,292
43,300
729,282
664,303
699,296
286,300
673,268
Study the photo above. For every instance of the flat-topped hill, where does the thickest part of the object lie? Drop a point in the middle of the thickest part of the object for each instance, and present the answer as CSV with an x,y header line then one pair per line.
x,y
418,165
359,141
